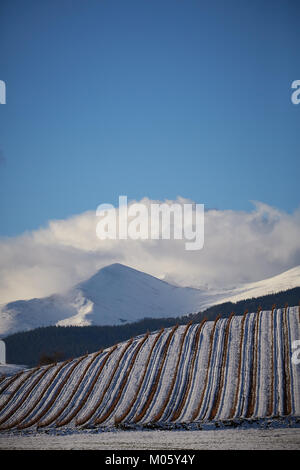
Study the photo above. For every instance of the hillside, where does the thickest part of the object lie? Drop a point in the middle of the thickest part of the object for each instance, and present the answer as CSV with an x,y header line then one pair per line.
x,y
236,368
118,294
60,343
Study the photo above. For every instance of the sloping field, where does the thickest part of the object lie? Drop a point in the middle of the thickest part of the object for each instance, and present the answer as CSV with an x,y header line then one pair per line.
x,y
239,367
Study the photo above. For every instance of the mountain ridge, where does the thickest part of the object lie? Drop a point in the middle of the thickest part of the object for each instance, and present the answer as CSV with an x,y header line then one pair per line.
x,y
119,294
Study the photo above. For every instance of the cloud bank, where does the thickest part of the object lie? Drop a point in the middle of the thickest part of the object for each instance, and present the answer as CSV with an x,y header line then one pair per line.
x,y
238,247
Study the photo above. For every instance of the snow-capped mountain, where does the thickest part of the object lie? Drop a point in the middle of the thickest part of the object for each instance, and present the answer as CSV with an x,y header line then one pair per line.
x,y
118,293
115,294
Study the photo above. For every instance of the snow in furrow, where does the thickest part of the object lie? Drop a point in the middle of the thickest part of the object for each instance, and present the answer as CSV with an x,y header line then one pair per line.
x,y
294,334
174,412
133,380
20,397
82,388
46,391
55,397
221,376
250,368
166,375
181,407
245,361
263,390
24,401
149,377
201,366
255,385
182,375
212,385
287,365
8,383
231,368
67,390
116,381
101,382
278,364
9,387
213,341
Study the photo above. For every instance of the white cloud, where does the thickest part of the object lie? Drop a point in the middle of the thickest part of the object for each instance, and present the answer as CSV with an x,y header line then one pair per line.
x,y
239,247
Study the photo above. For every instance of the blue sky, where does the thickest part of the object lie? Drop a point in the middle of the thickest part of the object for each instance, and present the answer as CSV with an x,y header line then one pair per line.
x,y
148,98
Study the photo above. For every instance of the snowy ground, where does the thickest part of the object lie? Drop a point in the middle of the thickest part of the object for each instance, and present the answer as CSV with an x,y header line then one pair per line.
x,y
237,439
10,369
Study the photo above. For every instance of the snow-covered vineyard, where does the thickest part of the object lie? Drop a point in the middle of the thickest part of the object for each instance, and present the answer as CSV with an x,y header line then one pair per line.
x,y
239,367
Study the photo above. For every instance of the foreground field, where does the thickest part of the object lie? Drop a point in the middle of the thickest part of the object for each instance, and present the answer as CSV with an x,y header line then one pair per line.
x,y
242,439
239,368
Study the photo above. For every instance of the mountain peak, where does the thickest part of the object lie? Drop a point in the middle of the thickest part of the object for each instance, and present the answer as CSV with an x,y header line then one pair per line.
x,y
117,267
115,271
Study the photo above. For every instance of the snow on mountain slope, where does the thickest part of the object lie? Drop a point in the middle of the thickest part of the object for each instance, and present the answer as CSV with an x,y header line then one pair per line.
x,y
240,368
118,293
115,294
286,280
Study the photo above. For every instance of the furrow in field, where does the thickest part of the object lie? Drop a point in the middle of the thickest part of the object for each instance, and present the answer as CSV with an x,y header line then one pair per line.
x,y
166,400
286,368
26,398
155,384
166,375
7,382
30,407
264,369
216,361
200,372
57,386
33,411
67,392
86,414
182,375
294,335
132,382
110,381
19,385
187,384
251,398
151,356
247,366
270,408
149,377
233,409
221,373
231,367
208,370
278,402
80,402
122,385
